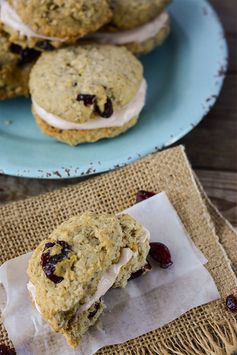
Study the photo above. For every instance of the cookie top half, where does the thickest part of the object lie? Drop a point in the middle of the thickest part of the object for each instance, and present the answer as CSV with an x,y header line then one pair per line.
x,y
80,82
134,13
63,19
66,268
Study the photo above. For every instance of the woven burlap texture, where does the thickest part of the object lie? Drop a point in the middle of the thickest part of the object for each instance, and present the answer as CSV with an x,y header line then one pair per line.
x,y
226,232
23,224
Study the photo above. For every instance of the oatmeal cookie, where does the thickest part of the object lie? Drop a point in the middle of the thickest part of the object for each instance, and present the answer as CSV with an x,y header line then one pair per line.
x,y
78,263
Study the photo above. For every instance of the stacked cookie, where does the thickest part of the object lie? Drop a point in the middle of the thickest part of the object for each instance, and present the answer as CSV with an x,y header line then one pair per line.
x,y
31,26
15,66
71,271
86,85
140,25
85,93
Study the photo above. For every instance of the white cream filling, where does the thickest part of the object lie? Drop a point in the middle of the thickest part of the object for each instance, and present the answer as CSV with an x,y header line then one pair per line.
x,y
107,280
138,35
118,119
32,290
9,17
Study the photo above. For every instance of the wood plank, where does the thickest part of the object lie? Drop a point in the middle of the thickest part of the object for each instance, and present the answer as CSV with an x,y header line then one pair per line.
x,y
213,143
227,11
15,188
221,188
232,48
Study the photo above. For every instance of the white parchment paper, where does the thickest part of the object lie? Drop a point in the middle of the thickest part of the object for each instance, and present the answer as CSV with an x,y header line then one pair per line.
x,y
147,303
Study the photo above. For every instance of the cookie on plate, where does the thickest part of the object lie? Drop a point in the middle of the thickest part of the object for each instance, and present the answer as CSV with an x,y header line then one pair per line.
x,y
52,23
86,93
78,263
15,67
140,25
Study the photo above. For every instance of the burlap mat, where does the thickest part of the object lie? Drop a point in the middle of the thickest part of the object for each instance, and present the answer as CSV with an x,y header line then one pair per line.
x,y
225,231
209,329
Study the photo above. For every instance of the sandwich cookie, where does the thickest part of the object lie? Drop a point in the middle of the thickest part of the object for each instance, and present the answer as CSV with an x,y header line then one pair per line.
x,y
15,67
71,270
52,23
86,93
139,25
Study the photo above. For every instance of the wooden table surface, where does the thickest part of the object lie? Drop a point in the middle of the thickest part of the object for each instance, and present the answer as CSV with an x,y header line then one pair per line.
x,y
211,147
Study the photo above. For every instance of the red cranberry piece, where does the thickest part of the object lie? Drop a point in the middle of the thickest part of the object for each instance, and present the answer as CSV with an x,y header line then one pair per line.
x,y
108,109
48,262
27,55
136,274
49,267
160,253
231,303
48,245
65,246
5,350
87,99
144,195
141,272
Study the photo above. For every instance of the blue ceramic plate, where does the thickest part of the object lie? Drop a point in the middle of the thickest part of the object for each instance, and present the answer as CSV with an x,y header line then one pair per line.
x,y
184,78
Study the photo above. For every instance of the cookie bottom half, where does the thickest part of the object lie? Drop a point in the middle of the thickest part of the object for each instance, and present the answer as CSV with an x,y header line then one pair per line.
x,y
151,43
75,137
79,326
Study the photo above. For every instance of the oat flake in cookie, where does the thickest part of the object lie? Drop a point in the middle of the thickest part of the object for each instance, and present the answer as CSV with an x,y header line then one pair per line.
x,y
50,23
15,67
140,25
78,263
86,93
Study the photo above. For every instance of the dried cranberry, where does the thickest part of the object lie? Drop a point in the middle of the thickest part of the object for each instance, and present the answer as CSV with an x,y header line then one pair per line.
x,y
231,303
48,245
45,45
48,262
140,272
136,274
27,55
66,247
49,267
93,313
15,48
108,109
87,99
144,195
5,350
160,253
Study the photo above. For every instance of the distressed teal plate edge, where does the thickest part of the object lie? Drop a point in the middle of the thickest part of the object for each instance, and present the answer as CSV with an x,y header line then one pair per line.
x,y
106,165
